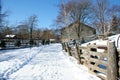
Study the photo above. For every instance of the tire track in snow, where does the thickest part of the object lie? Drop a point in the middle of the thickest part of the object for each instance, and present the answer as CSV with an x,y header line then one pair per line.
x,y
17,66
50,64
49,68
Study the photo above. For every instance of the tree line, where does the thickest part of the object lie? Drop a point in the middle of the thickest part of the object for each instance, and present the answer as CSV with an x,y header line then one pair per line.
x,y
27,30
100,14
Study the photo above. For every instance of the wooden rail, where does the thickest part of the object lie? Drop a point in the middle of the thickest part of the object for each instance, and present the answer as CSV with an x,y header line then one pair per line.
x,y
103,61
97,62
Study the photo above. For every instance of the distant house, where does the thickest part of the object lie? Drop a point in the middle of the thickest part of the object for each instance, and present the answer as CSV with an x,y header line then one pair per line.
x,y
70,32
52,40
10,40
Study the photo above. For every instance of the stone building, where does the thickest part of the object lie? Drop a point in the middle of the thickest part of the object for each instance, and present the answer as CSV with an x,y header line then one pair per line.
x,y
70,33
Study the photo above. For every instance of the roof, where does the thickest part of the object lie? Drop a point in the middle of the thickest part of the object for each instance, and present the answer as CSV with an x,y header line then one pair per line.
x,y
78,23
10,36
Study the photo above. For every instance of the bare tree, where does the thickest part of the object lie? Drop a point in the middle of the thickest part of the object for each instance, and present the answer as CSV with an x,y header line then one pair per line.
x,y
114,25
100,17
46,34
63,19
74,11
2,20
7,31
32,23
22,31
80,12
114,11
37,34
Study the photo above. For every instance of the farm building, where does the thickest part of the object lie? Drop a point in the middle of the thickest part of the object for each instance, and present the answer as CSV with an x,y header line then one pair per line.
x,y
71,32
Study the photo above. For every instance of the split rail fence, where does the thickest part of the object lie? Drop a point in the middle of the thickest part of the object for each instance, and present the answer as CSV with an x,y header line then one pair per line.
x,y
103,61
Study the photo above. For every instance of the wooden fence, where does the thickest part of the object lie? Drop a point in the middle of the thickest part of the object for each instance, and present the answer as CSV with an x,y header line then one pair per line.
x,y
103,61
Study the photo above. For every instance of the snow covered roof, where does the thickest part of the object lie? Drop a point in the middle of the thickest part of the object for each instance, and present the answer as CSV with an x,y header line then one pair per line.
x,y
52,39
10,36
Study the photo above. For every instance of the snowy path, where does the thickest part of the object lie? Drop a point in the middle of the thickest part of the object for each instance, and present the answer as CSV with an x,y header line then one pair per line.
x,y
50,63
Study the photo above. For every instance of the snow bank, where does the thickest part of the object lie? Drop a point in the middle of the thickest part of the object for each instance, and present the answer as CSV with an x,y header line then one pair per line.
x,y
115,38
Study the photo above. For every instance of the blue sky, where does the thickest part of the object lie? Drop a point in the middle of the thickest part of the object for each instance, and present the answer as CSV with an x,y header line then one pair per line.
x,y
46,10
20,10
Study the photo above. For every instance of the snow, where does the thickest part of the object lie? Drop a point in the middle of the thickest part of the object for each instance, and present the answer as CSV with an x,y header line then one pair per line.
x,y
46,62
115,38
10,36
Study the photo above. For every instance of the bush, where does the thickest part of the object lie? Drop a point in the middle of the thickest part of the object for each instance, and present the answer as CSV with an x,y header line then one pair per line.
x,y
18,43
31,42
2,44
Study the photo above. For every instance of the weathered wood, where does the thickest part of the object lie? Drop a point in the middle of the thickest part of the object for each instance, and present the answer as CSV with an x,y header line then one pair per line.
x,y
94,55
118,50
112,62
68,50
84,56
102,47
82,47
119,71
119,63
97,58
102,77
97,46
99,54
98,69
98,61
79,53
63,46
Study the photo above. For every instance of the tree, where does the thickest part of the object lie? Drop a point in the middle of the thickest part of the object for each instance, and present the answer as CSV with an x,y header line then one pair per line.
x,y
18,43
37,34
32,23
2,20
63,19
100,10
74,11
7,31
46,34
22,31
114,11
2,44
114,25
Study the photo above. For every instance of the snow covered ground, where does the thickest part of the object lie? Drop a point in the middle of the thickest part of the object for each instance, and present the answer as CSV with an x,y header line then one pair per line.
x,y
47,62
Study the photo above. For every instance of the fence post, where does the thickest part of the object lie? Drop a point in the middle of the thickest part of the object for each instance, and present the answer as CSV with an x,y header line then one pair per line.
x,y
78,52
63,46
112,62
68,50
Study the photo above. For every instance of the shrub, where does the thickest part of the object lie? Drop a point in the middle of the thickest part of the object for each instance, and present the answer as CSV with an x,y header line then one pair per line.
x,y
2,44
31,42
18,43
